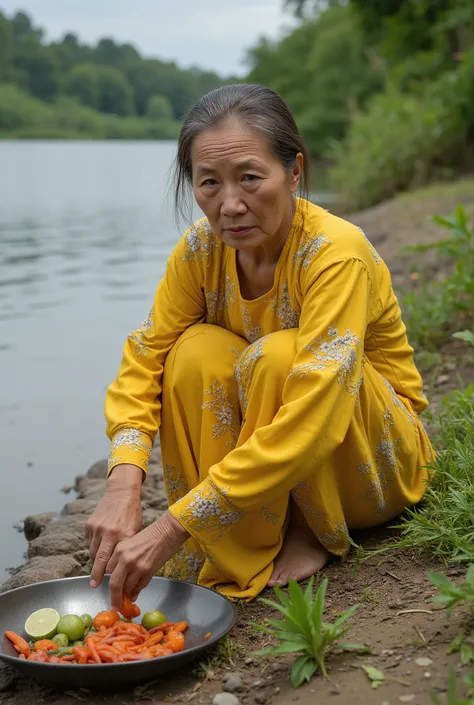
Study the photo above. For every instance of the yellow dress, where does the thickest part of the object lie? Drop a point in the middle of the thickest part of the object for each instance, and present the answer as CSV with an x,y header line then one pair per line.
x,y
309,391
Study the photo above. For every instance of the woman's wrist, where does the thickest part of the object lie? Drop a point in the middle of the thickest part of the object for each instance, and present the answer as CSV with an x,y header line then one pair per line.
x,y
168,529
125,477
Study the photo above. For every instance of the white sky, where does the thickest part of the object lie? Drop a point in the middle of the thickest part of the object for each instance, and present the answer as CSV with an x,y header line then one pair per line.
x,y
211,34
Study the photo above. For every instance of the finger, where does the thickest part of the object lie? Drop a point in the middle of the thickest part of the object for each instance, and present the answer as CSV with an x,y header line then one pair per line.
x,y
94,545
102,557
116,583
112,564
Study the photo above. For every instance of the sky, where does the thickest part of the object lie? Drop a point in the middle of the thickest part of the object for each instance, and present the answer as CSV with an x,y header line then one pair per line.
x,y
211,34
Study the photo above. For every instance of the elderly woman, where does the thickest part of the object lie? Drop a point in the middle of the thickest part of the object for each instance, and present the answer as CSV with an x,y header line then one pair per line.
x,y
276,367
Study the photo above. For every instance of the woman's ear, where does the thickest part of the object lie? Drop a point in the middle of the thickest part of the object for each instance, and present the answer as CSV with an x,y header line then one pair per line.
x,y
296,172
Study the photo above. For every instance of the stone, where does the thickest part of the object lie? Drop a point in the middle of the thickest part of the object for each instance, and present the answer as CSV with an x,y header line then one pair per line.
x,y
91,489
35,524
80,506
233,683
98,471
57,544
258,684
225,699
74,524
7,678
82,556
42,568
260,698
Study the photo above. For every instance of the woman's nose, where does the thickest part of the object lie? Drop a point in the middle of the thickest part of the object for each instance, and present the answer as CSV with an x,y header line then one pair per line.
x,y
233,204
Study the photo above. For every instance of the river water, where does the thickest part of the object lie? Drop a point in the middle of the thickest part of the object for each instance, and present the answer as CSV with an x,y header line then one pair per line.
x,y
85,230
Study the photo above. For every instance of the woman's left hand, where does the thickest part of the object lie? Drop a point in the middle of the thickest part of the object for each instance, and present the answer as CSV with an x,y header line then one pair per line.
x,y
135,560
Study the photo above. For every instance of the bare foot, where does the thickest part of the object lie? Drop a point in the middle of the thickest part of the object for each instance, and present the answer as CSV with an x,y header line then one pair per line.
x,y
301,555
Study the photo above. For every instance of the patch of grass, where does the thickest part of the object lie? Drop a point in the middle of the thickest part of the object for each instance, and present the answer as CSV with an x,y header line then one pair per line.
x,y
451,697
369,596
303,631
439,307
223,653
444,522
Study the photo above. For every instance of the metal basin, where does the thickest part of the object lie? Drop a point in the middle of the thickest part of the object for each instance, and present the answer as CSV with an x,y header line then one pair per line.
x,y
204,610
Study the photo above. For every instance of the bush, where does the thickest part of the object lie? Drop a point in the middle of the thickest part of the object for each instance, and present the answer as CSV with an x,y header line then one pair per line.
x,y
19,110
404,140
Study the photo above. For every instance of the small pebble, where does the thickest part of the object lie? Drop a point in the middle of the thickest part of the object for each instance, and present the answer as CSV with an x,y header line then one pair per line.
x,y
408,673
258,684
427,674
225,699
406,698
248,661
260,698
233,682
276,691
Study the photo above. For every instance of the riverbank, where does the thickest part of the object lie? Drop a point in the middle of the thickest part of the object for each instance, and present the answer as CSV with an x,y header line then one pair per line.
x,y
396,617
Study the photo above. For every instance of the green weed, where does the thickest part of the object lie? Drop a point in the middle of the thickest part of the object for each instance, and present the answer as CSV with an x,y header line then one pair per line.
x,y
223,653
451,698
438,307
303,631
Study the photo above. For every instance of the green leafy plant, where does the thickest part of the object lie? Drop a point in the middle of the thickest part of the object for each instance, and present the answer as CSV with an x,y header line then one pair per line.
x,y
452,698
303,630
450,593
438,307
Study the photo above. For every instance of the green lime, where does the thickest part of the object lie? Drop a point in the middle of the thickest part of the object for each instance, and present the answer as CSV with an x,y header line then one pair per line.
x,y
61,640
42,624
87,619
153,619
78,642
72,626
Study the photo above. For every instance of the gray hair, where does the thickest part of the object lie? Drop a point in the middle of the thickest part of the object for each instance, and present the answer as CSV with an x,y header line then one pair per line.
x,y
256,106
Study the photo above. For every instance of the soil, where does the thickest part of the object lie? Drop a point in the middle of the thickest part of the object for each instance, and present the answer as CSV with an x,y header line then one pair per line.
x,y
396,617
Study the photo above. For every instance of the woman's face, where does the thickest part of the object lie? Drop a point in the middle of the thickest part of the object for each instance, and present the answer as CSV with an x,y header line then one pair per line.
x,y
242,187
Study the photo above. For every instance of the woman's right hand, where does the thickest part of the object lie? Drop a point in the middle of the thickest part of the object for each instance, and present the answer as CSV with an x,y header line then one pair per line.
x,y
118,516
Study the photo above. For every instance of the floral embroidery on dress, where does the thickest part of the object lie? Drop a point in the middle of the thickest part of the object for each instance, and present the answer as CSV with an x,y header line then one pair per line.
x,y
225,413
217,301
200,242
372,249
309,247
336,352
186,564
397,402
252,333
243,370
269,516
130,438
209,511
138,336
333,537
289,318
175,484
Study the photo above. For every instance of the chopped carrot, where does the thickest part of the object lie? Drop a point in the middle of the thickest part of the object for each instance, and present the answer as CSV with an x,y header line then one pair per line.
x,y
129,609
19,643
180,627
105,619
175,641
45,645
208,635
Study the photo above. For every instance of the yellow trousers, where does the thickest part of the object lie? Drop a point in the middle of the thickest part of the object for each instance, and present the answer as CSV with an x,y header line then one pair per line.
x,y
216,392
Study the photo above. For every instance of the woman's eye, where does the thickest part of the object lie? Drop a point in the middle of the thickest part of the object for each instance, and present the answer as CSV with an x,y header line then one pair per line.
x,y
209,182
250,177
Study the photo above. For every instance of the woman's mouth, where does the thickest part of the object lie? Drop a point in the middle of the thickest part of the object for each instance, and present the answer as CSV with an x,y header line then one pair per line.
x,y
241,229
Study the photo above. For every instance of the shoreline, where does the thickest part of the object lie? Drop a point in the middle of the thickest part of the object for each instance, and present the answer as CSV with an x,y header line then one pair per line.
x,y
56,542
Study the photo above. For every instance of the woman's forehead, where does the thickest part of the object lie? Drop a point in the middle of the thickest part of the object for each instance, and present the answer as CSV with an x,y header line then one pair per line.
x,y
234,143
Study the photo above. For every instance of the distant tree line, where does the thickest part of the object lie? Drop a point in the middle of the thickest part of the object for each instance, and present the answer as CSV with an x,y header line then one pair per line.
x,y
108,78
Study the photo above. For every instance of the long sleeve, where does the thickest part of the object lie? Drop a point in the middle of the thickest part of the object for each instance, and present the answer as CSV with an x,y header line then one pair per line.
x,y
319,397
132,404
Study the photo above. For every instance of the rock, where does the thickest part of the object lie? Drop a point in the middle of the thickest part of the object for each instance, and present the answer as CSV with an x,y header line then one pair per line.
x,y
248,661
225,699
82,556
260,698
277,691
57,544
233,683
39,569
91,489
36,523
98,471
74,524
258,684
406,698
7,678
442,379
80,506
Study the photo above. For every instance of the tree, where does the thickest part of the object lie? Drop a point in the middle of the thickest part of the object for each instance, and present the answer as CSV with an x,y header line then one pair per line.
x,y
83,83
6,46
115,92
40,66
160,108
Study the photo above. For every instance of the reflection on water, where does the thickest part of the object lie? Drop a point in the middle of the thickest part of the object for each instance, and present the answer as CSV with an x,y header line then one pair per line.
x,y
85,230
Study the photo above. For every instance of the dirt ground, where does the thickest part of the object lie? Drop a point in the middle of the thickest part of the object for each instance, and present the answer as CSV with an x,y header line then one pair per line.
x,y
396,617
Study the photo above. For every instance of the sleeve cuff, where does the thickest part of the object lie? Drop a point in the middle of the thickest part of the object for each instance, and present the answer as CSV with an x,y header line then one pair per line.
x,y
206,513
130,446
